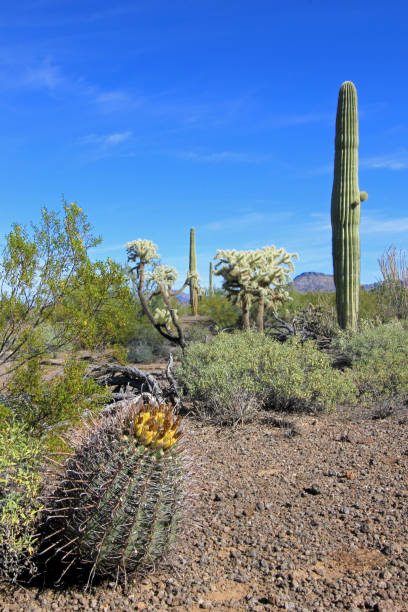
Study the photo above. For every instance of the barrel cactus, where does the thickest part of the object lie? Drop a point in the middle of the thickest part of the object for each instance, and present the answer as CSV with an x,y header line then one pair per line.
x,y
345,209
116,505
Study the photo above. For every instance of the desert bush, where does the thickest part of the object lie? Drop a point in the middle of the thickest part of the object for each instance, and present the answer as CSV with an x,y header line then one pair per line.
x,y
51,295
219,309
389,337
241,407
371,307
200,332
49,405
20,485
379,357
325,302
148,345
100,305
299,301
286,376
393,288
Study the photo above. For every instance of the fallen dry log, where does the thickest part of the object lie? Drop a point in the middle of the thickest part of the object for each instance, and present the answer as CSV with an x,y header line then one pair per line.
x,y
128,382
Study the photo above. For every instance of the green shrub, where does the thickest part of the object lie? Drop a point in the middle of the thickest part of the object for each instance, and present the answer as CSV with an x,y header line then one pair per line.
x,y
282,376
299,301
379,357
42,404
219,309
384,375
393,289
53,296
147,345
199,332
389,337
371,308
20,485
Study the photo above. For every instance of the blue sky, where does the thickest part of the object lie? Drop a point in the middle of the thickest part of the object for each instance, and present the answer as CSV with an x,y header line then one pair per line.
x,y
158,115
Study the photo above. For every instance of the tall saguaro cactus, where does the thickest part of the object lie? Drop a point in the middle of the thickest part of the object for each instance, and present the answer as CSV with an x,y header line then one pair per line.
x,y
345,209
193,275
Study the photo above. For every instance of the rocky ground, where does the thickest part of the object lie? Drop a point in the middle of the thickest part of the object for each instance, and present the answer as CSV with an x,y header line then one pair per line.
x,y
302,513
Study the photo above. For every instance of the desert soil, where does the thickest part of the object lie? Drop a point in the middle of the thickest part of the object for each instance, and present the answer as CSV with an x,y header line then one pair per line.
x,y
300,512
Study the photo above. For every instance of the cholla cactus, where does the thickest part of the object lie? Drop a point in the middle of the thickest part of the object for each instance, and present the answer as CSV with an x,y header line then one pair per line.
x,y
163,316
145,250
255,276
164,275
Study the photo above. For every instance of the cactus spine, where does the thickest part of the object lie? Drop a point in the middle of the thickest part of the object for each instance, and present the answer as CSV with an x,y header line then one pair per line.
x,y
210,289
115,506
193,275
345,209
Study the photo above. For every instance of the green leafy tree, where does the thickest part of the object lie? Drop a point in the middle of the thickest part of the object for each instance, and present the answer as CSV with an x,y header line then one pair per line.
x,y
43,273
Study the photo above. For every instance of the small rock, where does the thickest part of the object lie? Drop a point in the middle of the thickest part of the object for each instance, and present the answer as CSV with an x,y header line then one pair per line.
x,y
314,489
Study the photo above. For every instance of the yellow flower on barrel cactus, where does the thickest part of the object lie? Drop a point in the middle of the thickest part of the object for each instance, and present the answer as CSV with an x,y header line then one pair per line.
x,y
157,426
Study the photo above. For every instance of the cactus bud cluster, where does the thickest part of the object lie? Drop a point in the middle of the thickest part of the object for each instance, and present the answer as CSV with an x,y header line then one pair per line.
x,y
145,250
164,275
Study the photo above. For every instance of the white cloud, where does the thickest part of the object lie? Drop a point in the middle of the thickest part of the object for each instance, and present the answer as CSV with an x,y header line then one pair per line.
x,y
108,140
46,75
114,139
396,161
221,156
372,225
368,225
107,249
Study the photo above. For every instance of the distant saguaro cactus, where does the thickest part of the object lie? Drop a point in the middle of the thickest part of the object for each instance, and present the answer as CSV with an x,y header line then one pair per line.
x,y
193,274
210,288
345,209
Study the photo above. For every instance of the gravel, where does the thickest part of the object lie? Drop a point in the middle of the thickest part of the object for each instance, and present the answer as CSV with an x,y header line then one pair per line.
x,y
306,513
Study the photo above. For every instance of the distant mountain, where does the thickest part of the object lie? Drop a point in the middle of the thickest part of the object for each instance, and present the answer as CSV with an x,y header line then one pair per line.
x,y
317,281
304,283
183,298
314,281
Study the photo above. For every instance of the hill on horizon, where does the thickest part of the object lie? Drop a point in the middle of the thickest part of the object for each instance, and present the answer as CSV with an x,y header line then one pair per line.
x,y
317,281
303,283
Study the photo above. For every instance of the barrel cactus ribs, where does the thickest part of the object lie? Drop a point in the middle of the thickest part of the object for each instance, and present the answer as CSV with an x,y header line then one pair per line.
x,y
117,502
